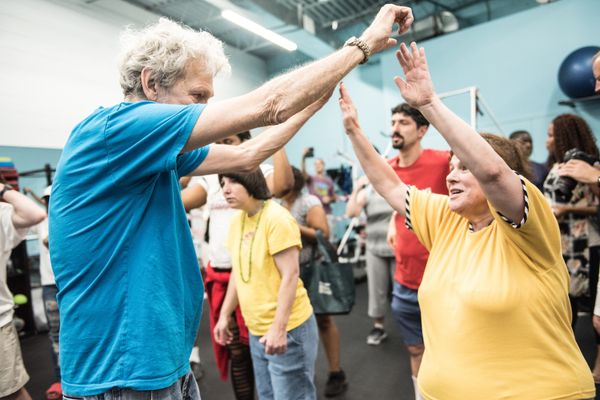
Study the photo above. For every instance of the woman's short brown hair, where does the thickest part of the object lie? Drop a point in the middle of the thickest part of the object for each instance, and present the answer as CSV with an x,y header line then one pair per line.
x,y
509,152
254,182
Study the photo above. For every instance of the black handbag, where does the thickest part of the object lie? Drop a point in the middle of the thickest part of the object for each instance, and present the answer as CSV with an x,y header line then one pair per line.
x,y
329,283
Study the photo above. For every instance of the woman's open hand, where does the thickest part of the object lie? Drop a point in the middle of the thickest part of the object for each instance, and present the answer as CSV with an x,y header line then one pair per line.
x,y
416,88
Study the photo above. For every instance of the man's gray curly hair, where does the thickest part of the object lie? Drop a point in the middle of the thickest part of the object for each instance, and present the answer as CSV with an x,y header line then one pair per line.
x,y
166,47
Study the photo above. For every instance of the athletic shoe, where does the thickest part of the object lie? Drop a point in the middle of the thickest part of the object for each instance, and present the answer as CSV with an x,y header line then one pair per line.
x,y
376,336
54,392
336,384
197,370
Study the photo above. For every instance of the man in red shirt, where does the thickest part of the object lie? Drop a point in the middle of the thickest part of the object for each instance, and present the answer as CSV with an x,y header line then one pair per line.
x,y
423,168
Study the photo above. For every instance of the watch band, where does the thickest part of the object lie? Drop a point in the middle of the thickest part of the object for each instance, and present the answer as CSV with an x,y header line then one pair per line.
x,y
362,45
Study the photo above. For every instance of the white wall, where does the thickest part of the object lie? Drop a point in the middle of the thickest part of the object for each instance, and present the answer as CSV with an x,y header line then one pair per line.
x,y
58,64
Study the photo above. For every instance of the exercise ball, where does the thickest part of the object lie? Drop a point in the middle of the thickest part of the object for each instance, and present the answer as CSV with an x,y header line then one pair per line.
x,y
575,76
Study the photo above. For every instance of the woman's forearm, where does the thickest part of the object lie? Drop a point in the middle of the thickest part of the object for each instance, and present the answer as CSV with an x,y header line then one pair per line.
x,y
466,143
285,300
380,174
353,208
308,233
582,210
231,301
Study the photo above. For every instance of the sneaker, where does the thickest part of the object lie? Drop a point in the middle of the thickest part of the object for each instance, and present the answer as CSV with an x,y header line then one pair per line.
x,y
336,384
376,336
197,370
54,392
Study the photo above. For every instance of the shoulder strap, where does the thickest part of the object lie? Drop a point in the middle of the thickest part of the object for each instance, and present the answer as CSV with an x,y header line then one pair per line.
x,y
326,248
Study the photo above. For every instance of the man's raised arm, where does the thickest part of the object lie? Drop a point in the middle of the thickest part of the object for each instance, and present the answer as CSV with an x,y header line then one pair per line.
x,y
282,97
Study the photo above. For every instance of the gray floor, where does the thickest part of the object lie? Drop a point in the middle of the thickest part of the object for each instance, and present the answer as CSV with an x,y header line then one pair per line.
x,y
376,372
381,372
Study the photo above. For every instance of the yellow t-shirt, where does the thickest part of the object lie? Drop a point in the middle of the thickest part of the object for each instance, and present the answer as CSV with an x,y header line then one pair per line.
x,y
277,230
495,307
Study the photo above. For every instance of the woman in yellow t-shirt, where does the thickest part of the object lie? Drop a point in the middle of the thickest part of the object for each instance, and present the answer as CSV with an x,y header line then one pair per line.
x,y
494,296
264,243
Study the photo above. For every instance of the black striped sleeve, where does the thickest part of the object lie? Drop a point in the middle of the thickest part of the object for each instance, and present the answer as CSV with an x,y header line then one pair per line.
x,y
407,220
526,205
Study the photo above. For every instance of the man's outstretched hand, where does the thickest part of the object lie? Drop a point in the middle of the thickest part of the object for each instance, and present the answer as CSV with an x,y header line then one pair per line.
x,y
378,34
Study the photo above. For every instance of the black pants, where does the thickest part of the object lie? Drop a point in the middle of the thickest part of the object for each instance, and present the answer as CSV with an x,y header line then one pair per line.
x,y
576,301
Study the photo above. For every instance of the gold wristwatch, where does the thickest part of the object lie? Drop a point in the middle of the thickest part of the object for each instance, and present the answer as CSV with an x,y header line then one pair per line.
x,y
362,45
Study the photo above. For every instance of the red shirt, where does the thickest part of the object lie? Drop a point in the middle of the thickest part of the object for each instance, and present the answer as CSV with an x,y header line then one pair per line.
x,y
429,171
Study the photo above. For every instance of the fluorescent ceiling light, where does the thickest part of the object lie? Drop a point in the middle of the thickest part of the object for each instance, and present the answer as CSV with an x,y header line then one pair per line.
x,y
259,30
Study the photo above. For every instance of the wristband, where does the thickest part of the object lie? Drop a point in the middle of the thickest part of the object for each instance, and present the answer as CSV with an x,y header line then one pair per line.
x,y
5,189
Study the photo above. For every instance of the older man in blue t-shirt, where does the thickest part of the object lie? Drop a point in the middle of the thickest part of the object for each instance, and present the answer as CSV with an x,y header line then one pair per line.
x,y
130,291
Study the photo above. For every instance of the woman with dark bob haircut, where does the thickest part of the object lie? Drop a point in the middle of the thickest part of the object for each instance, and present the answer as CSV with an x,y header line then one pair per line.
x,y
264,244
494,296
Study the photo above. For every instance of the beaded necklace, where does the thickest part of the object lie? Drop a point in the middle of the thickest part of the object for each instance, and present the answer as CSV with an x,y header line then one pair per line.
x,y
251,244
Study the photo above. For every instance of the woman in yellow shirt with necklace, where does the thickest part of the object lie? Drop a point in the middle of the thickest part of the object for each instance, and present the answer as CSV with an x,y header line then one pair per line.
x,y
264,243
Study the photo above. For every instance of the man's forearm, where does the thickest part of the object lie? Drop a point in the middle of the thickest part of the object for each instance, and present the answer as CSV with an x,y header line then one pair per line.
x,y
279,99
301,87
273,139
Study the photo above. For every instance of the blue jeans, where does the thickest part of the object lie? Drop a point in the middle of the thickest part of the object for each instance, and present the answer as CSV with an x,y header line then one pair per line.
x,y
185,388
53,318
287,376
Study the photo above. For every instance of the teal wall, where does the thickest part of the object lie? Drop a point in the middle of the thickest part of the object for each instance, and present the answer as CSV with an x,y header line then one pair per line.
x,y
513,61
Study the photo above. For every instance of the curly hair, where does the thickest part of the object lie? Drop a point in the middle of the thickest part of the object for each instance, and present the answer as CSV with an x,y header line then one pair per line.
x,y
571,131
166,47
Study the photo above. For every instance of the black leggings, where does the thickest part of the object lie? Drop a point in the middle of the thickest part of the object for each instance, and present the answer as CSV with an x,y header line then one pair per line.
x,y
594,270
242,373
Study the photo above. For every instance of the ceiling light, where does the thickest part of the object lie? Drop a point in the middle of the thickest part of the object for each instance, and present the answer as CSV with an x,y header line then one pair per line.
x,y
334,25
259,30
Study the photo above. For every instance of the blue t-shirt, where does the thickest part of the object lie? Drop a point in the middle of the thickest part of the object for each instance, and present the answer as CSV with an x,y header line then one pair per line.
x,y
130,291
